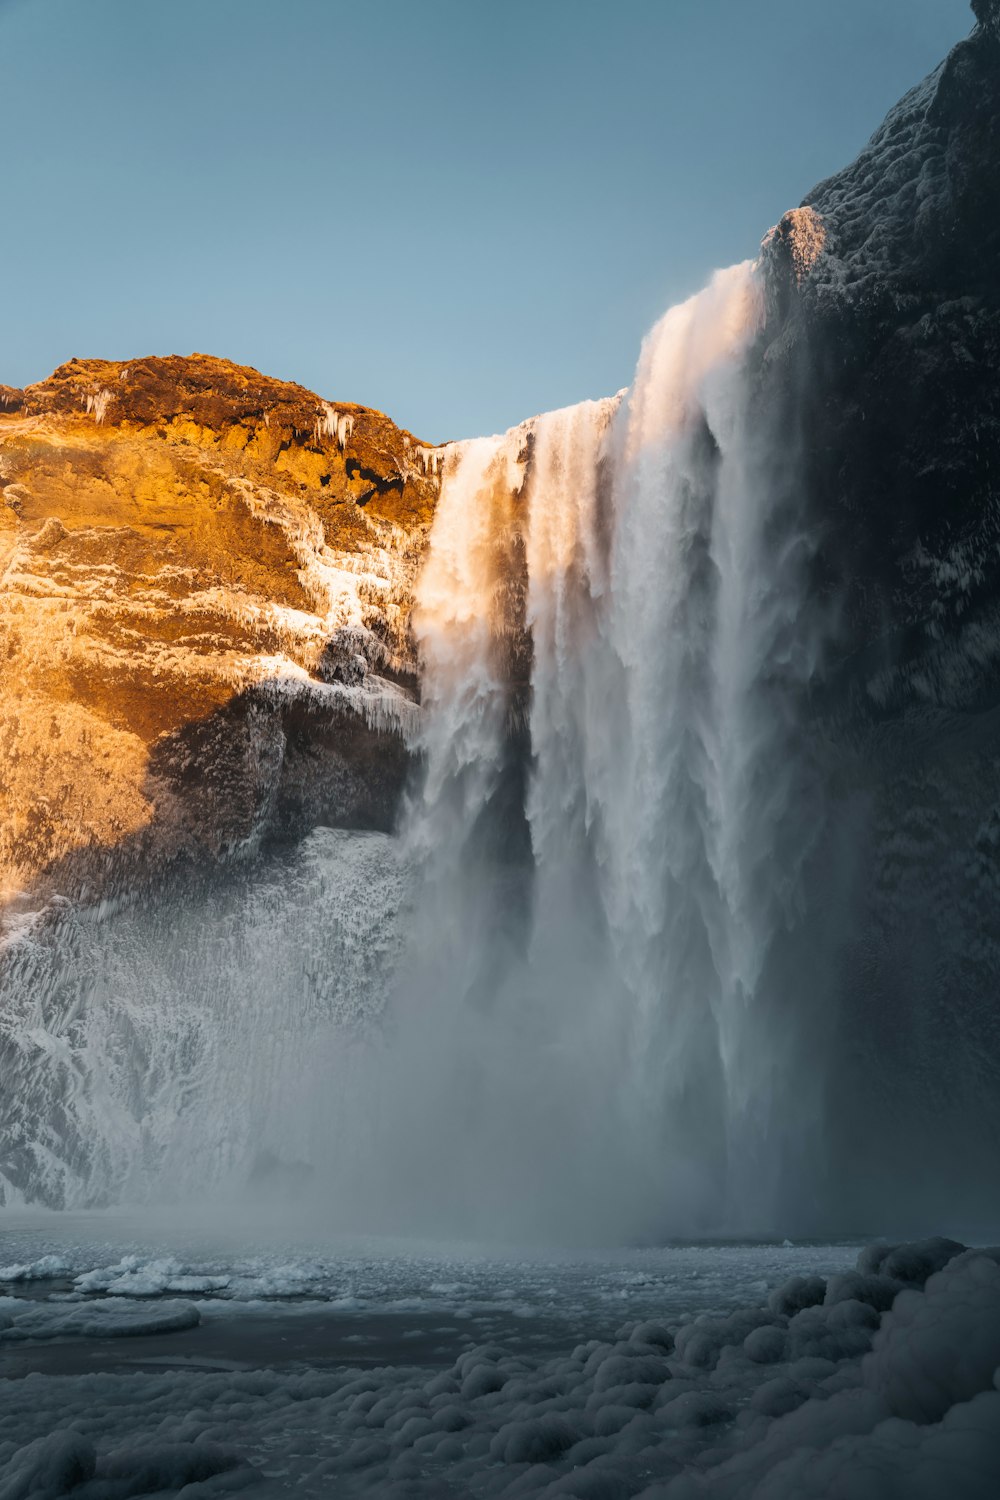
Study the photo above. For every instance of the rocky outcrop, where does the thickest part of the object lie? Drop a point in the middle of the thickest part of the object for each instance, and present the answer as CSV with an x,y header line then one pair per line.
x,y
881,361
204,618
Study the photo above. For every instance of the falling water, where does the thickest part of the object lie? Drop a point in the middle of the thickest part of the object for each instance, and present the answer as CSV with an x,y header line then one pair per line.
x,y
684,739
581,1034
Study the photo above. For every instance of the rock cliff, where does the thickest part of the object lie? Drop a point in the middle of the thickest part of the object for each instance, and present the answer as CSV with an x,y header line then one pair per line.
x,y
879,366
205,578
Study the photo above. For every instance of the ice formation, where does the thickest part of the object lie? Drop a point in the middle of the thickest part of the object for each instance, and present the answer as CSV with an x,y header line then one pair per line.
x,y
879,1383
97,404
334,424
430,459
121,1082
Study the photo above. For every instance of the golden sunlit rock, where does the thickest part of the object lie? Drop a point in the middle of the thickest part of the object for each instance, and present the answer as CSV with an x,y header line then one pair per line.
x,y
204,616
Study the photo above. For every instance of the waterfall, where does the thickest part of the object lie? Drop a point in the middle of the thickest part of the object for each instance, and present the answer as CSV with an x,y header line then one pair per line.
x,y
610,828
583,1024
689,770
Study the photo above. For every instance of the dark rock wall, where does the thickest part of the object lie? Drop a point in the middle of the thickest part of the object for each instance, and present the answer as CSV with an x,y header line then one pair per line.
x,y
882,361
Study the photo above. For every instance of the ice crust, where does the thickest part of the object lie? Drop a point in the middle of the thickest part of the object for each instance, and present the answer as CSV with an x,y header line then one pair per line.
x,y
67,1463
857,1403
110,1318
110,1044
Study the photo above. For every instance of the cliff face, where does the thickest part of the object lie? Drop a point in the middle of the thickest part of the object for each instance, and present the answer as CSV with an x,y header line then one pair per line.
x,y
881,358
205,579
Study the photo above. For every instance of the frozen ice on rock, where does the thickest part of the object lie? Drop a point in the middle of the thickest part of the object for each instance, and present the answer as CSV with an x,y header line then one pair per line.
x,y
765,1345
134,1277
796,1293
655,1334
534,1441
105,1318
701,1342
878,1291
48,1466
941,1345
67,1463
35,1270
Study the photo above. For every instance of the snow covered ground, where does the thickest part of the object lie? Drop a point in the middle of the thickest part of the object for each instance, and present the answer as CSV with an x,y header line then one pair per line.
x,y
148,1361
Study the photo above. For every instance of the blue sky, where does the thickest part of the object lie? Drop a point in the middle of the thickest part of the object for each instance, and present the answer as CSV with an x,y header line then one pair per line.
x,y
461,212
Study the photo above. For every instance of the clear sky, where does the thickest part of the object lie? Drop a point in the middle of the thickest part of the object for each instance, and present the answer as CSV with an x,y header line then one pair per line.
x,y
460,211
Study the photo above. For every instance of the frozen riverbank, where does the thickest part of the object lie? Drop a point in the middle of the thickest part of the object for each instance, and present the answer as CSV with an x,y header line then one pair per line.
x,y
138,1366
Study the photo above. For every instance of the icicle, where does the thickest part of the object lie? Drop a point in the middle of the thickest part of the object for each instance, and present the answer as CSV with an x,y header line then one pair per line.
x,y
430,459
333,424
97,403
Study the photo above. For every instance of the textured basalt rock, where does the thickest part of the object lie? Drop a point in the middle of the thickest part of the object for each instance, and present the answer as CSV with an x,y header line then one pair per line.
x,y
987,13
205,583
882,361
